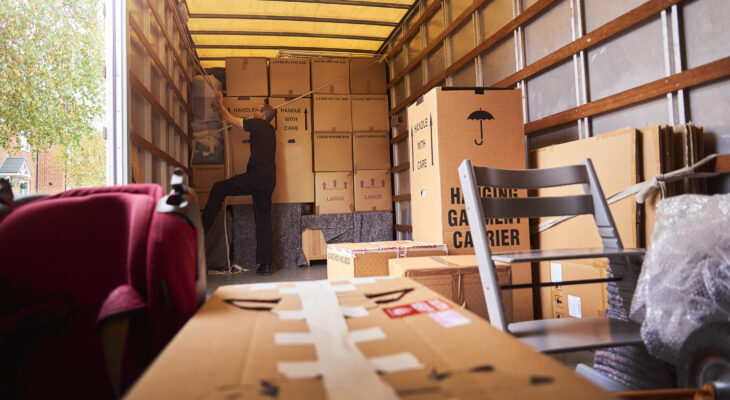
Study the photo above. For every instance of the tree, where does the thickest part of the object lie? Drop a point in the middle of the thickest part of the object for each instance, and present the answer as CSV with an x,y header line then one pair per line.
x,y
84,165
51,71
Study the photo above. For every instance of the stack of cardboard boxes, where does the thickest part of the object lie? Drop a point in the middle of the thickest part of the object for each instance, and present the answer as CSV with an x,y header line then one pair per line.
x,y
315,146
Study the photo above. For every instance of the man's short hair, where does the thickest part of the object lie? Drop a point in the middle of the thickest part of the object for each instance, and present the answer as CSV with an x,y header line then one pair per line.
x,y
269,112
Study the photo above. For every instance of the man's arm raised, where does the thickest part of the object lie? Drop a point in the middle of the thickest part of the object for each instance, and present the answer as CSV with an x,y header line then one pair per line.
x,y
227,116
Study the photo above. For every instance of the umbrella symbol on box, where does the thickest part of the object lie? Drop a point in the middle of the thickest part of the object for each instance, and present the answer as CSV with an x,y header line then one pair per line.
x,y
480,115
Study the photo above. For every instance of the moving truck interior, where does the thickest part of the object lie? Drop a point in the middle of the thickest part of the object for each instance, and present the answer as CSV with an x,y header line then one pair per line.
x,y
433,162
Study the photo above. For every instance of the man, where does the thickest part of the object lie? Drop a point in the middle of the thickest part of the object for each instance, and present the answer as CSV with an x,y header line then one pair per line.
x,y
258,181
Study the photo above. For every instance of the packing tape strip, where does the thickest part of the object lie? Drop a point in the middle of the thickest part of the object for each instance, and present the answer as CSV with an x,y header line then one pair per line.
x,y
293,338
346,373
299,369
367,335
354,312
396,363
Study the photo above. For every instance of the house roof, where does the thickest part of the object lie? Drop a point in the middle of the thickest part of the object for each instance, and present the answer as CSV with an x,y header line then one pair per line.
x,y
15,167
270,28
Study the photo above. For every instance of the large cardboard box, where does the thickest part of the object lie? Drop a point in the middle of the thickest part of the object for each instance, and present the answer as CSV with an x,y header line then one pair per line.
x,y
447,126
573,301
293,117
372,190
247,76
615,158
370,113
367,76
331,75
238,151
289,76
370,150
332,152
454,277
243,106
333,193
294,176
332,113
354,260
314,246
364,338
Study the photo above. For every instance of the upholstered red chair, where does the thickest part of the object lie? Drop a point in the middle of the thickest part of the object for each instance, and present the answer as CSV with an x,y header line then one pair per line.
x,y
93,284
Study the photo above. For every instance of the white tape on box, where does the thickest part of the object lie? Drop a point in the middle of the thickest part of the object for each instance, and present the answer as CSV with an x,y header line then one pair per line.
x,y
354,312
299,369
293,338
396,363
574,306
366,335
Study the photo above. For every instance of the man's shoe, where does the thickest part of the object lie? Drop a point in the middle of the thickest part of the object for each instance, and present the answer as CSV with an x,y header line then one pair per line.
x,y
264,269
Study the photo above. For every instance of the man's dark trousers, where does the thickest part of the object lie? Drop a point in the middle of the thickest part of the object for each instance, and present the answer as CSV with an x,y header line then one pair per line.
x,y
260,187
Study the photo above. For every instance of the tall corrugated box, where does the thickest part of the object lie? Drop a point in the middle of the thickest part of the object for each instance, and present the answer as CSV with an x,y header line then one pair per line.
x,y
331,75
454,277
447,126
332,113
294,176
247,76
367,76
204,177
372,190
333,193
355,260
244,106
289,77
332,152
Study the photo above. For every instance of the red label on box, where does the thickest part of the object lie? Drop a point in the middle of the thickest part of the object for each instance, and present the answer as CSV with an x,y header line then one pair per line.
x,y
419,307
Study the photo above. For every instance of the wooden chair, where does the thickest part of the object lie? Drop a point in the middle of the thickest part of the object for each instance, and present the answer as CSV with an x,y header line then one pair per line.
x,y
547,335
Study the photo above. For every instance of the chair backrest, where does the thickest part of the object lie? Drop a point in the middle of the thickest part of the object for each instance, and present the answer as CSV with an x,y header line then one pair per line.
x,y
480,209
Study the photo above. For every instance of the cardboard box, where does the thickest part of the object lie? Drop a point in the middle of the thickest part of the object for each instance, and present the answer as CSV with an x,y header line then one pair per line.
x,y
289,77
331,75
314,246
372,190
354,260
204,176
332,152
294,117
241,345
371,150
370,113
573,301
332,113
238,151
294,176
247,76
333,193
367,76
615,158
448,126
454,277
243,106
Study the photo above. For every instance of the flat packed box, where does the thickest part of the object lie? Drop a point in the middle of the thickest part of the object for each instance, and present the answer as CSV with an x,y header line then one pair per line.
x,y
370,113
332,152
367,338
615,157
292,116
367,76
574,301
331,75
446,127
371,150
289,76
333,193
332,113
454,277
372,190
247,76
238,151
243,106
354,260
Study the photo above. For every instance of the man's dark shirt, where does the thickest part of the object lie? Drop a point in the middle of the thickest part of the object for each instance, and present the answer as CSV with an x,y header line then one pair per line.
x,y
263,147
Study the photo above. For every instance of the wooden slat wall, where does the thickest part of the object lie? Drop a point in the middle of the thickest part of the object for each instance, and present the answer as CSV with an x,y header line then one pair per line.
x,y
161,66
404,63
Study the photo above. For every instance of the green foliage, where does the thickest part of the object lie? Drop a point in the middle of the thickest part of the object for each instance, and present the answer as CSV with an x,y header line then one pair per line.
x,y
85,164
51,71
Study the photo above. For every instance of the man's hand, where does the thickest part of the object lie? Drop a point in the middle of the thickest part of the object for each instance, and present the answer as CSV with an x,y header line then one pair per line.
x,y
219,107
